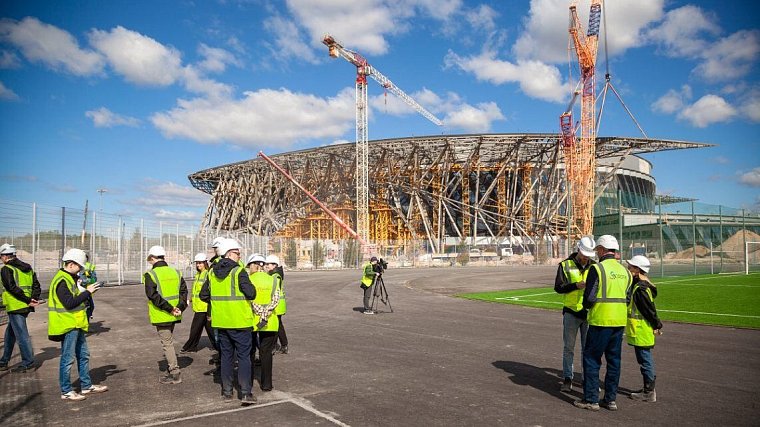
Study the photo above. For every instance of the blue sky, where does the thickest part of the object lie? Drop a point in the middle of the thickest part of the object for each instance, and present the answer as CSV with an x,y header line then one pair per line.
x,y
132,96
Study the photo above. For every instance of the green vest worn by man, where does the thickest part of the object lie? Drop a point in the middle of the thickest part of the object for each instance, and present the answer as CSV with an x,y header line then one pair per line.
x,y
23,281
574,299
282,306
198,305
369,275
610,309
61,320
167,282
229,308
638,332
266,286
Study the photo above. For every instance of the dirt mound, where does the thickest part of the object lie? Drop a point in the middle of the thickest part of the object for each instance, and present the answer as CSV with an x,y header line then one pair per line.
x,y
734,246
689,253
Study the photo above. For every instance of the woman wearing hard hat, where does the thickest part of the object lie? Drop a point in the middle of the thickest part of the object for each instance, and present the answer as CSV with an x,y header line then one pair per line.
x,y
643,324
200,308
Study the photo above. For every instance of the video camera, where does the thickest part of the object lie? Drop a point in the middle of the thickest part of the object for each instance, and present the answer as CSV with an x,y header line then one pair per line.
x,y
381,266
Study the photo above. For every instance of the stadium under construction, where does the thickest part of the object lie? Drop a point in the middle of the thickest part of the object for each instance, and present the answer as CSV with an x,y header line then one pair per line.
x,y
489,189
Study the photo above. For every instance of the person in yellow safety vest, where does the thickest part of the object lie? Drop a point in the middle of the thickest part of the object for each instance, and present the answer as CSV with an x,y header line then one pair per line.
x,y
167,299
230,292
570,282
67,324
21,293
266,323
274,268
607,285
215,247
643,324
200,308
255,263
90,276
368,280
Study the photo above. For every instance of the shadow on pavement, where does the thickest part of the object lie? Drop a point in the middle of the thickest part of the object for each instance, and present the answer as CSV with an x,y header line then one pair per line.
x,y
544,379
96,328
18,407
99,374
182,361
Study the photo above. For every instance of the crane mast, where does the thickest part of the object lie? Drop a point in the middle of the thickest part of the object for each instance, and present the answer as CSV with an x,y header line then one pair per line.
x,y
580,153
364,69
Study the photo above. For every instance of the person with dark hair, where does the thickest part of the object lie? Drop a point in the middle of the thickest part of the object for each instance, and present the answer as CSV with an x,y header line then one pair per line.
x,y
200,308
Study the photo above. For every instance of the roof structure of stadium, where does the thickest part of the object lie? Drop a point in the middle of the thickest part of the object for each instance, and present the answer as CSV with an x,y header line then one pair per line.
x,y
432,188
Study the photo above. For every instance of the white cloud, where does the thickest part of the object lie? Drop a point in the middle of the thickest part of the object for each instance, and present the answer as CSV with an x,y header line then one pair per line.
x,y
196,83
682,29
545,35
750,105
49,45
167,193
751,178
215,59
7,94
730,57
536,79
105,118
673,100
140,59
9,59
267,117
288,42
708,110
175,215
474,119
482,18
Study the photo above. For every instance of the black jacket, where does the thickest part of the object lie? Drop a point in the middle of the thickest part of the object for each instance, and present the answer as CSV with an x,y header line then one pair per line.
x,y
221,270
644,305
9,282
68,300
151,291
562,286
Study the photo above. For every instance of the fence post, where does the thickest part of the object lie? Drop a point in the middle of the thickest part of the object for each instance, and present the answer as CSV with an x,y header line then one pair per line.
x,y
34,235
744,235
63,231
662,245
694,237
620,223
720,219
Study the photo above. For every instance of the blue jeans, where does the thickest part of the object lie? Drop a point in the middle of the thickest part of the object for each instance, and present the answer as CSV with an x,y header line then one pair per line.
x,y
646,363
16,331
608,341
74,346
230,342
570,327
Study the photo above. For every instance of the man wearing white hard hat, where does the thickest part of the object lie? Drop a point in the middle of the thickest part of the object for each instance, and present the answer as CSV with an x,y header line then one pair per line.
x,y
607,284
643,324
167,299
570,282
274,268
229,292
67,324
21,293
215,247
200,308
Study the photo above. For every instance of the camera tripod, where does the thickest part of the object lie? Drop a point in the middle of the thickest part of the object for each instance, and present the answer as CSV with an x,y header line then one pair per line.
x,y
380,293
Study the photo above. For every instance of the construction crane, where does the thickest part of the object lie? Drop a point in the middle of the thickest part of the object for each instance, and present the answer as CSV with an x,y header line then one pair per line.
x,y
364,69
580,153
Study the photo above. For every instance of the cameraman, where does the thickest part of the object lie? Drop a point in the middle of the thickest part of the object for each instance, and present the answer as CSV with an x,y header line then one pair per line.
x,y
372,270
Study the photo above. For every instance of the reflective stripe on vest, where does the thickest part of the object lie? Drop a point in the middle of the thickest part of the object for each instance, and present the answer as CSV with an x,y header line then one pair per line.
x,y
638,331
198,305
167,282
282,306
573,299
24,281
266,286
61,320
229,307
610,308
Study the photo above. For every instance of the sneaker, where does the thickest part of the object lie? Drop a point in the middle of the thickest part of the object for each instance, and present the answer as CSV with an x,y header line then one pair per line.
x,y
95,389
368,312
610,406
72,395
567,385
20,369
284,349
171,379
586,405
248,399
226,397
644,396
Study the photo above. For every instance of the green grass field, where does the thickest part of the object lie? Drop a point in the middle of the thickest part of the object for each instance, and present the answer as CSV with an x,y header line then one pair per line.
x,y
727,300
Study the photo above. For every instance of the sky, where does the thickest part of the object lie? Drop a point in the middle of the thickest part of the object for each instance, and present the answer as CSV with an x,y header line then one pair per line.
x,y
133,96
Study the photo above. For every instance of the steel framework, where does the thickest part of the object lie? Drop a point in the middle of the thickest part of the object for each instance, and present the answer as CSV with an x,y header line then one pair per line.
x,y
423,188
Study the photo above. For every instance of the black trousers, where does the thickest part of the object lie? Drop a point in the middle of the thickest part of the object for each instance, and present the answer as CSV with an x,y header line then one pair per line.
x,y
200,321
283,337
266,344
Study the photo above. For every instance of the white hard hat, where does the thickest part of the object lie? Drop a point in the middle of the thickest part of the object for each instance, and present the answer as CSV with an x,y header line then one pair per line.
x,y
608,242
7,249
272,259
641,262
586,246
200,257
227,245
76,255
156,251
255,258
217,241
